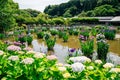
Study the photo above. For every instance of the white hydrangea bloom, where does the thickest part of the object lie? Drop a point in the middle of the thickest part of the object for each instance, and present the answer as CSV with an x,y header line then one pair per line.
x,y
62,68
108,65
1,52
13,58
59,64
98,61
115,70
21,52
28,60
78,67
80,59
31,52
40,55
90,67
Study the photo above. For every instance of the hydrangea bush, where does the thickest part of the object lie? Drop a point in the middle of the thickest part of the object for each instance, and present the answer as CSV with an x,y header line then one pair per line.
x,y
33,65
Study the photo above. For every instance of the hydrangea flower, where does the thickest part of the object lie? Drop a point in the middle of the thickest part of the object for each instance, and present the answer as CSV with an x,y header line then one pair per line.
x,y
77,67
21,52
13,48
115,70
31,52
62,68
66,75
98,61
108,65
51,57
27,61
80,59
59,64
13,58
1,52
28,49
90,67
39,55
17,43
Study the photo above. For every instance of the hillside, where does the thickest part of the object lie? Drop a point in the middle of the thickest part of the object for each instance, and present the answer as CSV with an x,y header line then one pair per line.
x,y
85,8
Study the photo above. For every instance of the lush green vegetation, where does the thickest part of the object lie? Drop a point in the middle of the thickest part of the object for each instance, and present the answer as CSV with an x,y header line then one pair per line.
x,y
85,8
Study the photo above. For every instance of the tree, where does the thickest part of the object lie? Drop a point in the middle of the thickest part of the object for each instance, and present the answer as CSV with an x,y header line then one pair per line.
x,y
7,9
105,10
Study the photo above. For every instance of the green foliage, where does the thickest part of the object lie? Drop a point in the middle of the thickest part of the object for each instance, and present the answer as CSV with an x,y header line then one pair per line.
x,y
84,20
33,13
70,31
58,21
50,43
65,37
44,29
40,35
87,47
75,32
6,14
93,32
60,34
102,50
102,47
84,8
53,32
85,33
104,10
1,36
109,34
27,39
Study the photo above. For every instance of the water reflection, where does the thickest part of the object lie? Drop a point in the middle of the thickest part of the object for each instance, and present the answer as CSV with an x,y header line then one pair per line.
x,y
61,51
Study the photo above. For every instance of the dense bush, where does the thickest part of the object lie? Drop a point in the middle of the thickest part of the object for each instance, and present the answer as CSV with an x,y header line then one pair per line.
x,y
40,35
109,34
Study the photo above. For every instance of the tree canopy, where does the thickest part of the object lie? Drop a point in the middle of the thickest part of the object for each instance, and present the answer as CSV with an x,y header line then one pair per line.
x,y
75,7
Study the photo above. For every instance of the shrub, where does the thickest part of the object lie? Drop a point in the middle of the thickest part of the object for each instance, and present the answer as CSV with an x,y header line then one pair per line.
x,y
109,34
40,35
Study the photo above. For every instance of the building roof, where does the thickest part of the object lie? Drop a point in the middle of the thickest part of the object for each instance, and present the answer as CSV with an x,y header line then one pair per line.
x,y
116,19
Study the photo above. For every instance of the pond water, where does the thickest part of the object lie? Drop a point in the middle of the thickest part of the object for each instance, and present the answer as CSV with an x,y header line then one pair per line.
x,y
61,48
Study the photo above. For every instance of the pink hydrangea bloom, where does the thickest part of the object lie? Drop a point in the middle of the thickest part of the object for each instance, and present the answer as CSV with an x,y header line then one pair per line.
x,y
28,49
13,48
51,57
